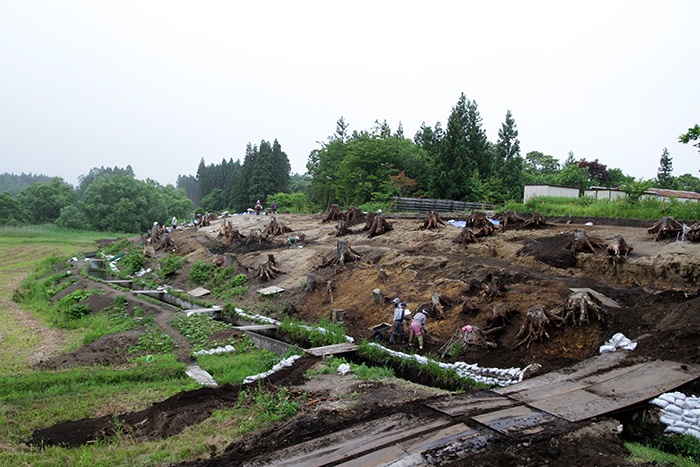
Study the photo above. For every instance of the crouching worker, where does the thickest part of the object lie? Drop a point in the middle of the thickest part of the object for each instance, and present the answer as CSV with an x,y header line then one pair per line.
x,y
418,328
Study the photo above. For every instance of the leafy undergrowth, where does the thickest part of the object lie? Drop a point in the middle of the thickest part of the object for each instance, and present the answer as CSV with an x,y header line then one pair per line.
x,y
198,329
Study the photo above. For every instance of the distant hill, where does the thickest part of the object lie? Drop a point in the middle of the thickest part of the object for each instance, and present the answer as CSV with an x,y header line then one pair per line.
x,y
16,183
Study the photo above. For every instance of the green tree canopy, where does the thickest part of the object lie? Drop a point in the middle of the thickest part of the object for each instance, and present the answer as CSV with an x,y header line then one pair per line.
x,y
43,201
664,175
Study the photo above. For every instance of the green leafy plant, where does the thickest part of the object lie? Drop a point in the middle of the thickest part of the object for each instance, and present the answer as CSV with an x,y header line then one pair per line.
x,y
154,340
198,329
323,333
201,272
170,264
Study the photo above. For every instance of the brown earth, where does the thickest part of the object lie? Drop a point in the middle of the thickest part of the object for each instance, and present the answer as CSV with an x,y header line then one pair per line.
x,y
656,288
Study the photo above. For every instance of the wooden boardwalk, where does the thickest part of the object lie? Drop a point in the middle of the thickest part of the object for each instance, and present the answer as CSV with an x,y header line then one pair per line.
x,y
551,402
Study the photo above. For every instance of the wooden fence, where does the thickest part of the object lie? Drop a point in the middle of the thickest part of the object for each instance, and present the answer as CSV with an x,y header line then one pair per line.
x,y
439,205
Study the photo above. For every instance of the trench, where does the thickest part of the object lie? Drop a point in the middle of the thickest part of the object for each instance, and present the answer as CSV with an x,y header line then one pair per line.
x,y
269,337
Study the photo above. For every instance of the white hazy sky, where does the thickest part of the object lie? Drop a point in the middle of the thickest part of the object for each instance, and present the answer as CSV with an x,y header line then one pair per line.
x,y
160,84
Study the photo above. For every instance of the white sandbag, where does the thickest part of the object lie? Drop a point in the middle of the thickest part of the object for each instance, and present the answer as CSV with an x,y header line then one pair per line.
x,y
659,402
675,429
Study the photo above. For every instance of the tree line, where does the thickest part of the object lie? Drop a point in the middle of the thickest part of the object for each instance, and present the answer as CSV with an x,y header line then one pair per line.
x,y
105,199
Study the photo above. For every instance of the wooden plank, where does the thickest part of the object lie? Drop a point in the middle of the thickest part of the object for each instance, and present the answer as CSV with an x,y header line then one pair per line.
x,y
357,440
585,393
515,420
270,290
332,349
198,292
465,404
412,445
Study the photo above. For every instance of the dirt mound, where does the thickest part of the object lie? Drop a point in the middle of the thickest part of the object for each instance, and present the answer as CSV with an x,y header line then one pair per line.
x,y
112,349
162,419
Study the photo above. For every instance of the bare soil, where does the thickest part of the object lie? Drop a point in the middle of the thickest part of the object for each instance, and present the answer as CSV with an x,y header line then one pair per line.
x,y
656,287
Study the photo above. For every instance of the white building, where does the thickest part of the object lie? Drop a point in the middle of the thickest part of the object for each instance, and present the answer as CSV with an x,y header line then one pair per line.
x,y
555,191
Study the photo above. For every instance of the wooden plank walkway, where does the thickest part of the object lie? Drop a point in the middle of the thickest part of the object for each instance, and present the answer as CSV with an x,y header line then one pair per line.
x,y
602,384
591,390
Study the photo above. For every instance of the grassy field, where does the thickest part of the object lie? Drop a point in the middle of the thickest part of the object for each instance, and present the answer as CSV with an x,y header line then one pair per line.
x,y
32,399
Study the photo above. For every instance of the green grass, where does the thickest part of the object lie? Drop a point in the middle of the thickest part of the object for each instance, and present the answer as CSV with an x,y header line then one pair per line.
x,y
235,366
319,334
625,209
646,454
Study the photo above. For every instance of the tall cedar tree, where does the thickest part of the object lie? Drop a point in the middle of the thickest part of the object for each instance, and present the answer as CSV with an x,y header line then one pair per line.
x,y
509,163
463,150
663,175
265,171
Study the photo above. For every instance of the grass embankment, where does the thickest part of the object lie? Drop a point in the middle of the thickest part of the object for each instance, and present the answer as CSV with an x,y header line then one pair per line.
x,y
624,209
31,399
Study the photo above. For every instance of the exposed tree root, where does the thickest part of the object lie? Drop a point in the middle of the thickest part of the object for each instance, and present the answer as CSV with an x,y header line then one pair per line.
x,y
379,227
435,307
534,325
465,338
343,254
341,229
431,221
537,220
510,218
618,249
274,229
354,216
334,214
268,270
582,242
582,307
465,236
500,316
665,227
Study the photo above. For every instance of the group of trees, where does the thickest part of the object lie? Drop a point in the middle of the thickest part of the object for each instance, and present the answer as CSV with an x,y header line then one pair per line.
x,y
106,199
232,185
13,183
457,162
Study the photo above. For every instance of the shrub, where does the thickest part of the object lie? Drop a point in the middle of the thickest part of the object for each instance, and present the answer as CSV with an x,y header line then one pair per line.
x,y
201,272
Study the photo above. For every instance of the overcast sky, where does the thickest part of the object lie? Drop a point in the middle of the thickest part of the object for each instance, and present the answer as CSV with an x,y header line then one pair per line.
x,y
160,84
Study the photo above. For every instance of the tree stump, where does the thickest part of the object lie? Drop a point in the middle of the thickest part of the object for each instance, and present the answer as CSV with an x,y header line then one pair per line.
x,y
369,220
664,227
468,308
465,236
436,305
534,325
383,275
354,216
495,289
268,270
582,242
500,316
312,282
618,249
254,236
379,226
343,254
582,307
693,233
379,297
431,221
465,337
274,229
477,220
510,218
537,220
334,214
341,229
228,260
